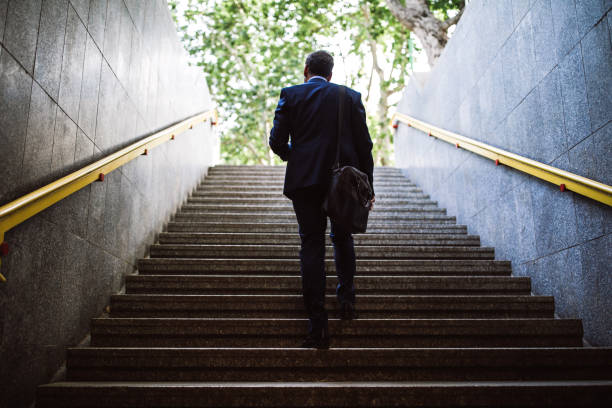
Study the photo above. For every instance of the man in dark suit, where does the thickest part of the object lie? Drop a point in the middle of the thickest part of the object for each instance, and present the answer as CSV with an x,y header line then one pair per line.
x,y
308,113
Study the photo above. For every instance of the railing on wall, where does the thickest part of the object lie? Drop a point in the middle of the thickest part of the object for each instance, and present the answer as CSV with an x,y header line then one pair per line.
x,y
25,207
565,180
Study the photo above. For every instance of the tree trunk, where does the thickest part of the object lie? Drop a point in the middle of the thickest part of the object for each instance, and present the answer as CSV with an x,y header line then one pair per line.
x,y
416,16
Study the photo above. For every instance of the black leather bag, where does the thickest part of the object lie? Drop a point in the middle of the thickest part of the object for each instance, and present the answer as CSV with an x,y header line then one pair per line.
x,y
348,197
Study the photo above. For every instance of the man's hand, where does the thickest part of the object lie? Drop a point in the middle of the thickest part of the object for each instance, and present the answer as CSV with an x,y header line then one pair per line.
x,y
371,207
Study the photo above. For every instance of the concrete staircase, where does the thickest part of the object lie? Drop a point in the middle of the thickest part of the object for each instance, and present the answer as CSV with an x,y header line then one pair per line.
x,y
215,316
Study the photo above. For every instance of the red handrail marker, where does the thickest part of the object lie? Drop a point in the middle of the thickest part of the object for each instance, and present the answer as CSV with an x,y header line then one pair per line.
x,y
457,145
497,162
101,177
4,249
172,137
395,125
146,152
562,187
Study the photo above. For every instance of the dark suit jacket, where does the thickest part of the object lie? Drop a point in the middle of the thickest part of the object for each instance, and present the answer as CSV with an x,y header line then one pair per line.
x,y
309,113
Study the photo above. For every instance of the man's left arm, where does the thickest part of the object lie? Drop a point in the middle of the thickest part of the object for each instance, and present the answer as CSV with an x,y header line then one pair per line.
x,y
279,135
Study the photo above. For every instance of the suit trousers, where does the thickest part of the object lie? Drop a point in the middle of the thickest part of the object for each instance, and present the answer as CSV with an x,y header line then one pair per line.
x,y
312,223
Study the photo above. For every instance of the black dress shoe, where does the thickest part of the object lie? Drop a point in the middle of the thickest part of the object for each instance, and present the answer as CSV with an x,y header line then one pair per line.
x,y
347,311
317,340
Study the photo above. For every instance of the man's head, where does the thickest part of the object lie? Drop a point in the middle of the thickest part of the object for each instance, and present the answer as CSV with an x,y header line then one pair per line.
x,y
319,63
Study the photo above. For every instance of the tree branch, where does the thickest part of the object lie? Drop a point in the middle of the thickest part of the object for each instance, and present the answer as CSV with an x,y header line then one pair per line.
x,y
449,22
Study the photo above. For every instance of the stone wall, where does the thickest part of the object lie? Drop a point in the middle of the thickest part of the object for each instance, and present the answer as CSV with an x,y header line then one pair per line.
x,y
80,79
533,77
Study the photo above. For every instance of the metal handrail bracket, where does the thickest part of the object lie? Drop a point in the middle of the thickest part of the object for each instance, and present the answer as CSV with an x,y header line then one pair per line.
x,y
23,208
565,180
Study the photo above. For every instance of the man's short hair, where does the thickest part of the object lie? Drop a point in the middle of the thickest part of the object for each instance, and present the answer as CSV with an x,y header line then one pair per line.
x,y
320,63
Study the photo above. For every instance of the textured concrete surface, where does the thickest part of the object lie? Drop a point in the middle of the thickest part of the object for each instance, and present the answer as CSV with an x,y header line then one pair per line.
x,y
535,78
80,79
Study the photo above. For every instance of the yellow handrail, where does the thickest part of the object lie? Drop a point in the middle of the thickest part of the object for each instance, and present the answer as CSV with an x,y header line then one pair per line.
x,y
564,179
25,207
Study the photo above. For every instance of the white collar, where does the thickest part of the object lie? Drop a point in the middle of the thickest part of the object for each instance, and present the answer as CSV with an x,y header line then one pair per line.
x,y
317,76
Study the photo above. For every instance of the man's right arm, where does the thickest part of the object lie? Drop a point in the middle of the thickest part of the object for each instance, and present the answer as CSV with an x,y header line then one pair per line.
x,y
279,135
363,142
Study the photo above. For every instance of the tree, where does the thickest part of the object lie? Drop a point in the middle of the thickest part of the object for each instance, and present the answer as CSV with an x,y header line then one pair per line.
x,y
382,39
249,49
420,17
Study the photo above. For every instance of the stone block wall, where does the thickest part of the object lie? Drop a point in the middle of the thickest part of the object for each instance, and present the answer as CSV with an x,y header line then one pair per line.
x,y
533,77
80,79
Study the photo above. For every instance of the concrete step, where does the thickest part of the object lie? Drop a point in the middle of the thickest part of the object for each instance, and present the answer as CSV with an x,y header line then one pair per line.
x,y
189,266
278,194
374,227
288,209
278,182
292,251
303,394
361,333
369,306
285,201
290,217
384,190
384,364
280,178
294,239
279,284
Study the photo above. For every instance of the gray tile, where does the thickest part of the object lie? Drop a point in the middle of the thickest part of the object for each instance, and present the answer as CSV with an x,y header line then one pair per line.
x,y
596,261
511,74
112,212
3,7
72,65
39,141
588,12
82,9
575,102
123,234
95,219
72,212
526,55
97,21
607,5
519,9
88,106
602,145
125,47
112,32
137,11
597,57
21,31
83,154
565,271
593,219
543,37
583,159
106,120
64,142
565,26
553,215
550,138
50,46
525,230
15,90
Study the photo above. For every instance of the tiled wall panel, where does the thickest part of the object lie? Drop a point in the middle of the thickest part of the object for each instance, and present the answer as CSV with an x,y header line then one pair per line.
x,y
533,77
80,79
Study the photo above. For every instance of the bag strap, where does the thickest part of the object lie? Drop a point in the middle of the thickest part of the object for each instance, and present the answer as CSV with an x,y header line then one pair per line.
x,y
341,94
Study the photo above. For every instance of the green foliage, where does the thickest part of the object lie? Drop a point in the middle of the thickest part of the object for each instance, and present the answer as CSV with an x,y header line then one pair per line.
x,y
250,49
